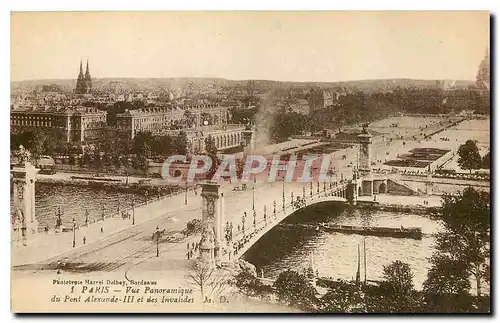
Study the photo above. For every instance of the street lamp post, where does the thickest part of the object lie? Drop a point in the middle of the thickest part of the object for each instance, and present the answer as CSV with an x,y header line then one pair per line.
x,y
186,194
311,188
118,208
157,241
133,211
317,187
86,217
253,195
274,208
74,233
102,208
254,216
265,214
284,194
304,192
243,218
291,201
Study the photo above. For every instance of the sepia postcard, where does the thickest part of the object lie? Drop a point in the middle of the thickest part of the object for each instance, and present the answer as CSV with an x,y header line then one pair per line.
x,y
250,162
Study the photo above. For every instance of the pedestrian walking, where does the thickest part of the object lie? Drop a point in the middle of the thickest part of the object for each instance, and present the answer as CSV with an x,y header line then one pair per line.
x,y
102,230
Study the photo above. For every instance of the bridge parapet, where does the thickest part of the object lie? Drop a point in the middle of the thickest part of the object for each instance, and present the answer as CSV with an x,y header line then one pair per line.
x,y
246,237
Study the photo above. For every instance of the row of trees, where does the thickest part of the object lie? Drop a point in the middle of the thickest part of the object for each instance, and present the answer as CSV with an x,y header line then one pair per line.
x,y
462,253
360,107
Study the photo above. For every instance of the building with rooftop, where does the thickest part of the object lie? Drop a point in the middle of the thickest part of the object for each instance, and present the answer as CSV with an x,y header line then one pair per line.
x,y
74,124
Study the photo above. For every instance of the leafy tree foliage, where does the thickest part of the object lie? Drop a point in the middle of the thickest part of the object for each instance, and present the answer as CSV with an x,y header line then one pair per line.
x,y
251,285
469,157
466,236
343,297
395,294
193,227
296,290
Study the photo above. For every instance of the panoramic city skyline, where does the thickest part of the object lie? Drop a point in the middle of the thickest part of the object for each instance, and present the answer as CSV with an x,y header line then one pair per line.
x,y
282,46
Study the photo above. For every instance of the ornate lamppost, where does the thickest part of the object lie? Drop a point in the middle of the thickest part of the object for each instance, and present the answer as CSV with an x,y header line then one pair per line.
x,y
157,233
291,201
253,195
284,194
311,188
243,219
274,208
74,233
265,214
86,217
133,211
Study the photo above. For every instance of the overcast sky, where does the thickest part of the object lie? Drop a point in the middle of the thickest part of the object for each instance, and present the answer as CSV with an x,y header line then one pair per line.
x,y
287,46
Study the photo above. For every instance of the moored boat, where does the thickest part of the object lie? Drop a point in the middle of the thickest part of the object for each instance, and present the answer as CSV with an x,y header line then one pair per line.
x,y
413,233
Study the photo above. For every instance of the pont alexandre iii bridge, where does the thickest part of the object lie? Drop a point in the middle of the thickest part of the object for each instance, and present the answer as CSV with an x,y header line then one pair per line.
x,y
226,237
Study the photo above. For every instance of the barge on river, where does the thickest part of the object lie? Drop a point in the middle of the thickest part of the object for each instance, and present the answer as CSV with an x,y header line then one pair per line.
x,y
413,233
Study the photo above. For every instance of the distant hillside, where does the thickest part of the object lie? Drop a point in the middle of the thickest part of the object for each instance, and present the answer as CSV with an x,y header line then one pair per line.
x,y
157,83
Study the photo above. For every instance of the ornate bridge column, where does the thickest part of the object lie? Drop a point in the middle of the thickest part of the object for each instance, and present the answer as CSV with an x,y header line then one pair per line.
x,y
24,221
365,141
212,224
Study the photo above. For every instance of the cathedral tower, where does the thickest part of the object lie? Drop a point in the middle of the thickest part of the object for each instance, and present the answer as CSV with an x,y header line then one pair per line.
x,y
83,82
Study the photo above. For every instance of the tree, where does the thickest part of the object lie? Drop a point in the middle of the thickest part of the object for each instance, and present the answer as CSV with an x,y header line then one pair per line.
x,y
395,294
180,144
208,280
466,235
296,290
193,227
248,283
142,144
447,286
140,163
469,157
400,276
342,297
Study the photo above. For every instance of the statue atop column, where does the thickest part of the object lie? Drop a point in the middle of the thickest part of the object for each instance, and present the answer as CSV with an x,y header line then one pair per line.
x,y
23,155
365,128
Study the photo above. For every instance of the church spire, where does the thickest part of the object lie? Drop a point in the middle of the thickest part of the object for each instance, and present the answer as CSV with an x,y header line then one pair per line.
x,y
87,72
81,70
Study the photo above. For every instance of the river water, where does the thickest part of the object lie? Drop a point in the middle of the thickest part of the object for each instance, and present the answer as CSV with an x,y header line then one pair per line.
x,y
75,200
290,244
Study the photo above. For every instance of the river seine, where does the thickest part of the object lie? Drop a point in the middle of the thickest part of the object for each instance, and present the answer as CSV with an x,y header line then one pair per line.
x,y
290,244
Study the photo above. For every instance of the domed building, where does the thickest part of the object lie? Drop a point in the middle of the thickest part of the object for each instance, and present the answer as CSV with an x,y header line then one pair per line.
x,y
483,73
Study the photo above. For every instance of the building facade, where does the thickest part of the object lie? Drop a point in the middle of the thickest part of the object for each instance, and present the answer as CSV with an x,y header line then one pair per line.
x,y
157,120
74,124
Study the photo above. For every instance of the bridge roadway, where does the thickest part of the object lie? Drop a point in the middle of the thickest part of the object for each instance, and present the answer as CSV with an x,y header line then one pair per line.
x,y
134,244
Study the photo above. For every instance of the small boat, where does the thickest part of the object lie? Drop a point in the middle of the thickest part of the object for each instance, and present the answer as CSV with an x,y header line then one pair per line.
x,y
413,233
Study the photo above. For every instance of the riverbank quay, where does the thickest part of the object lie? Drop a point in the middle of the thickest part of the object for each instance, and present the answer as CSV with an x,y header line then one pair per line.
x,y
421,205
46,245
153,186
